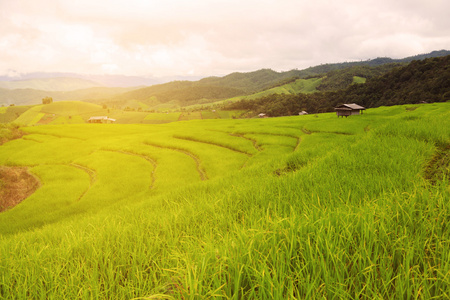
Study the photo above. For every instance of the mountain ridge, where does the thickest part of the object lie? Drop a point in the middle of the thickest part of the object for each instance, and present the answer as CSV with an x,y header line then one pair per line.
x,y
233,84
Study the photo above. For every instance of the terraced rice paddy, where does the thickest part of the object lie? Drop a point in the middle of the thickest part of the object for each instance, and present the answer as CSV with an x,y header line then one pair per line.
x,y
281,208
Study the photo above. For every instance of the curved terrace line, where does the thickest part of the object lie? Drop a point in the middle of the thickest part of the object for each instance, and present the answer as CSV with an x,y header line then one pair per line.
x,y
241,135
59,136
201,172
307,131
254,142
150,160
92,177
279,134
212,143
26,138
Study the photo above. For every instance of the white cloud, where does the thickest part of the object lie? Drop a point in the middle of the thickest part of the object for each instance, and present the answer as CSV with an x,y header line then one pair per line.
x,y
215,37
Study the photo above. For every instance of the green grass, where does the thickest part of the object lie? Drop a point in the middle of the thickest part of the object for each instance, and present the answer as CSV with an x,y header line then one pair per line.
x,y
63,112
299,207
72,108
304,86
194,115
157,118
11,113
357,79
209,114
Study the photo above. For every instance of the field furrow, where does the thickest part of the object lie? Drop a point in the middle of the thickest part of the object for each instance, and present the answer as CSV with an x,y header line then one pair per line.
x,y
150,160
254,142
92,176
212,144
199,168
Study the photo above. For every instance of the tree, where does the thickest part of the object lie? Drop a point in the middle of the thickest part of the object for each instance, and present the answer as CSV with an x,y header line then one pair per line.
x,y
47,100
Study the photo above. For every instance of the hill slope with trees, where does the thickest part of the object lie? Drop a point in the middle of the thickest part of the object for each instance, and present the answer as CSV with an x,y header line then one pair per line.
x,y
182,93
420,81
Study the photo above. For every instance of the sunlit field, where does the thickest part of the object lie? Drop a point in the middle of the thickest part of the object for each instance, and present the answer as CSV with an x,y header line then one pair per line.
x,y
301,207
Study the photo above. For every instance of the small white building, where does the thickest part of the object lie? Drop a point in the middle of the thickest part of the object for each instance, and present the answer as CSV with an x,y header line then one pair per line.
x,y
302,113
101,119
262,115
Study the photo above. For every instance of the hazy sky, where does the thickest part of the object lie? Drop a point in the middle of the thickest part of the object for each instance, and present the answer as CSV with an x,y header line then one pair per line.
x,y
212,37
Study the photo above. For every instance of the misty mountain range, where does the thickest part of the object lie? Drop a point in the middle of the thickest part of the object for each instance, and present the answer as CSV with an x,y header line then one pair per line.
x,y
31,88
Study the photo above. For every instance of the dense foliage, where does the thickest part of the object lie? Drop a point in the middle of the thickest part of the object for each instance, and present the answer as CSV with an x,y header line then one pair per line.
x,y
420,81
426,80
342,79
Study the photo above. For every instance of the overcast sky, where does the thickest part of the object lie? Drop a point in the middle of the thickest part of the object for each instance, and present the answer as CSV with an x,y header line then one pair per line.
x,y
212,37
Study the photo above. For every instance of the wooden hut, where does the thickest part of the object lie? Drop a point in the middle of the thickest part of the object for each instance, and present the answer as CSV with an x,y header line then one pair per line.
x,y
345,110
101,119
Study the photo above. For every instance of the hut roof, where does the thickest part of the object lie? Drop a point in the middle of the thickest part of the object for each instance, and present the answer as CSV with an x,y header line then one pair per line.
x,y
102,118
98,118
350,106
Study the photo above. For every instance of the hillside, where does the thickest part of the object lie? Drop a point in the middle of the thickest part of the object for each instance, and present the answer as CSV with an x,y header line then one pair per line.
x,y
177,94
182,92
211,89
64,112
301,207
420,81
343,78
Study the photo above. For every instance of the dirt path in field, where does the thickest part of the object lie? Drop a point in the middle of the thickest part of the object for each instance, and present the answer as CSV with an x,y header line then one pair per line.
x,y
254,142
150,160
213,144
297,144
16,184
92,176
201,172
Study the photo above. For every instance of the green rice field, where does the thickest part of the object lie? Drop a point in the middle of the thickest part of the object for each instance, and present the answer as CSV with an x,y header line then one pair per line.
x,y
300,207
77,112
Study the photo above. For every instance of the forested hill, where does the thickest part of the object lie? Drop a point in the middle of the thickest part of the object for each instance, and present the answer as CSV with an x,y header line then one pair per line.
x,y
253,81
420,81
235,84
341,79
181,93
325,68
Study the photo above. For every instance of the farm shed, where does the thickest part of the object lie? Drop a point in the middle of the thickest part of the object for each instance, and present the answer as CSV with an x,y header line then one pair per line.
x,y
346,110
101,119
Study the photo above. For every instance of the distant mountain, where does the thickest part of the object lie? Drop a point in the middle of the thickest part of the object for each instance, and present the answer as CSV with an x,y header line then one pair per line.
x,y
101,80
181,92
31,96
239,84
325,68
252,81
210,89
50,84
